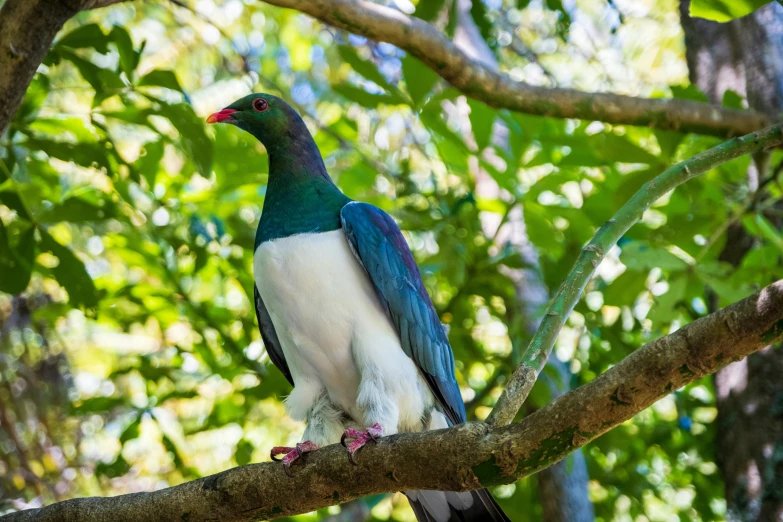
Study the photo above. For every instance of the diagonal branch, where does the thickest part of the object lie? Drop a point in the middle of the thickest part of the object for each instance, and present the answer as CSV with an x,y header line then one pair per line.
x,y
537,352
476,80
460,458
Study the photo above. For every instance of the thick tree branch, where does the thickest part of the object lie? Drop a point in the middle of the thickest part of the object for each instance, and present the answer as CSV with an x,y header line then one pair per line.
x,y
27,29
460,458
535,355
476,80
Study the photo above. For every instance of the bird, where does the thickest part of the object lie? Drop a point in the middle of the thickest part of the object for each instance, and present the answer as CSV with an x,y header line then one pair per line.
x,y
344,313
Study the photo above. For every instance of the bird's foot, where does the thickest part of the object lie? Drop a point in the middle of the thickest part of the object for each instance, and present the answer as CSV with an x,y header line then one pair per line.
x,y
290,455
360,439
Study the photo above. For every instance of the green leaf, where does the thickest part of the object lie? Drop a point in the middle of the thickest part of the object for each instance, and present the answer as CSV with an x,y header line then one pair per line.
x,y
78,210
97,405
184,394
16,261
689,92
665,309
149,161
105,82
244,452
131,431
669,141
478,11
732,100
624,290
769,231
71,127
724,10
34,97
365,68
90,35
197,144
481,120
91,155
114,469
419,79
129,57
171,448
70,273
158,78
428,9
13,201
366,99
638,256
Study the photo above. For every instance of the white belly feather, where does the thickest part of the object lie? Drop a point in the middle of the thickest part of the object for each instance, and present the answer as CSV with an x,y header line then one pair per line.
x,y
335,334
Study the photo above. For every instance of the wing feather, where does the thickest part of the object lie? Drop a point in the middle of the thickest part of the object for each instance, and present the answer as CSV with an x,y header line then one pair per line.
x,y
269,336
380,247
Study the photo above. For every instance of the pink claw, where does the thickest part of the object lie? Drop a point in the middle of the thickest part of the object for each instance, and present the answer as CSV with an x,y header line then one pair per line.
x,y
360,438
290,455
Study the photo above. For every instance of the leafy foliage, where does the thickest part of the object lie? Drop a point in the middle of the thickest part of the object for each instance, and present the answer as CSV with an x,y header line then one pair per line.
x,y
724,10
129,353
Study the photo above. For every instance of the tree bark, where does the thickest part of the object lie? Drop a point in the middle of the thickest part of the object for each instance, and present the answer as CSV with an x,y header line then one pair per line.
x,y
496,89
27,29
746,56
461,458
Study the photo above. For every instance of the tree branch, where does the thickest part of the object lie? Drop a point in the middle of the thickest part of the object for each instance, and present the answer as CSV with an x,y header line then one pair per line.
x,y
535,355
27,29
428,44
464,457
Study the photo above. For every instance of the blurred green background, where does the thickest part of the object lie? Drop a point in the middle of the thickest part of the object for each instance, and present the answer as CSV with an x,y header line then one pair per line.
x,y
131,359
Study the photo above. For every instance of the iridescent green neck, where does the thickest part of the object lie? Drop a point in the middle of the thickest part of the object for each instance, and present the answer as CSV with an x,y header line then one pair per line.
x,y
300,196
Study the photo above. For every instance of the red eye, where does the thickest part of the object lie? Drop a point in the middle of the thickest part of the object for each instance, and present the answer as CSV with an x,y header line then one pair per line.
x,y
260,104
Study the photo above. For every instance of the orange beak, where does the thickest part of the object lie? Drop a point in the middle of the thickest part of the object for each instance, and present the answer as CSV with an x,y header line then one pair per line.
x,y
221,116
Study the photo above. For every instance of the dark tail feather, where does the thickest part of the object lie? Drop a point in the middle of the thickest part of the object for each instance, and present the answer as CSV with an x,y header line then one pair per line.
x,y
448,506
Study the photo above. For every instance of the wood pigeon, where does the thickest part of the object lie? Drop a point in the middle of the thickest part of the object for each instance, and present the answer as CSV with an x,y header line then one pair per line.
x,y
343,311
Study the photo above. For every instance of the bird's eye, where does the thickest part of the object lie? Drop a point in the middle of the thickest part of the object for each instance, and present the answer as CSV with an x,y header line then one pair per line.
x,y
260,104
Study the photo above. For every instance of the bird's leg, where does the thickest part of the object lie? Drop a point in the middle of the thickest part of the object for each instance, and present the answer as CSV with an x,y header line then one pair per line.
x,y
360,439
290,455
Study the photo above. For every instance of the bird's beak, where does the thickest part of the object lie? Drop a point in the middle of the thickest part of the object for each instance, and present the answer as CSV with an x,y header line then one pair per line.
x,y
221,116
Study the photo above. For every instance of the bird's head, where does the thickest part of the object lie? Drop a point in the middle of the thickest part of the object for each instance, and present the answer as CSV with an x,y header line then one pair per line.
x,y
266,117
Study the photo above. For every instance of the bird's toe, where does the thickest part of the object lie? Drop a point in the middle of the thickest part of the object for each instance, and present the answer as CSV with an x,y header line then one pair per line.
x,y
288,455
360,439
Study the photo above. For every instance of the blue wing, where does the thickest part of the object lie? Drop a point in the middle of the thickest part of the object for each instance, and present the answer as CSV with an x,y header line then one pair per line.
x,y
268,334
380,246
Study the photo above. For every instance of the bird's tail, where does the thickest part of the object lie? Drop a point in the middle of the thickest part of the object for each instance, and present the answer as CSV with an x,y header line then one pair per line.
x,y
450,506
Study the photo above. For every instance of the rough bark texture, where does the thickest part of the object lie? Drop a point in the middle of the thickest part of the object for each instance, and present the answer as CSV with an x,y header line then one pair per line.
x,y
28,27
746,56
27,30
496,89
459,458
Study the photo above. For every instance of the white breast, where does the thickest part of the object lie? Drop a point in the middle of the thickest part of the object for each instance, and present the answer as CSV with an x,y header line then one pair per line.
x,y
322,304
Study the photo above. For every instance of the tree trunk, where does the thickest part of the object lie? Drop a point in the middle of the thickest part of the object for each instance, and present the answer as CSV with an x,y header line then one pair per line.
x,y
746,56
27,29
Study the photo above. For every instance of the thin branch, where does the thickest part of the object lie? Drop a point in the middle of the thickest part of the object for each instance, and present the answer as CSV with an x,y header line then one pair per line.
x,y
464,457
497,89
537,352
